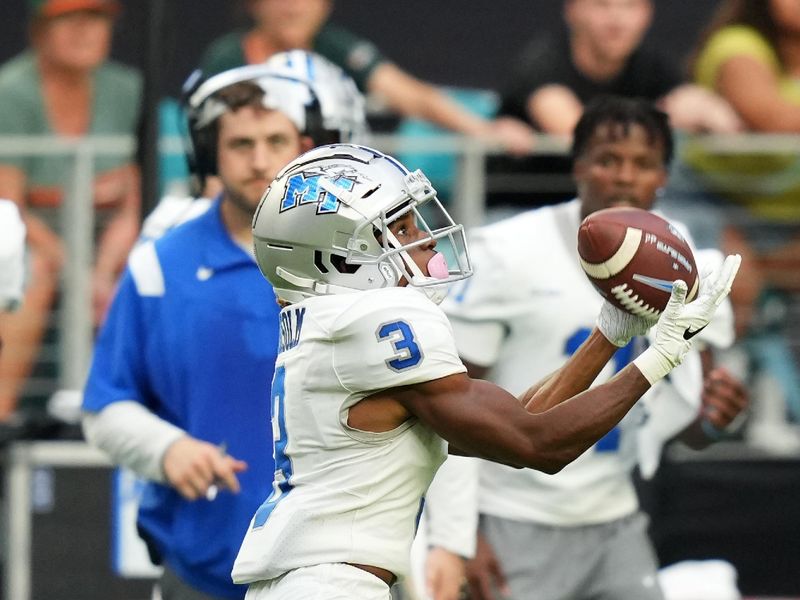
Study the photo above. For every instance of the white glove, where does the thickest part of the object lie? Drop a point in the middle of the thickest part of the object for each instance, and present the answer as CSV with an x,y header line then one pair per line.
x,y
680,322
619,326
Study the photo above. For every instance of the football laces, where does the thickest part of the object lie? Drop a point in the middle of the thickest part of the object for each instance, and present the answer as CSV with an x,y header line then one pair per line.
x,y
628,299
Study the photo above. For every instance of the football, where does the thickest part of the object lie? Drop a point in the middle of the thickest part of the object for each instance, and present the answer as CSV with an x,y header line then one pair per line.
x,y
632,256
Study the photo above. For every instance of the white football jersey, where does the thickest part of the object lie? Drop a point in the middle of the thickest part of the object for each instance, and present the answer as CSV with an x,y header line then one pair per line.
x,y
526,309
12,256
340,494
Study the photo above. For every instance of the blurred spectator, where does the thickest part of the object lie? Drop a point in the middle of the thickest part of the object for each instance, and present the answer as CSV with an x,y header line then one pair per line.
x,y
602,52
65,85
288,24
750,55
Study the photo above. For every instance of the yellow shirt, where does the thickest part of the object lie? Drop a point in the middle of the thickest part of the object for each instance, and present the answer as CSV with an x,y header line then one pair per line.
x,y
767,184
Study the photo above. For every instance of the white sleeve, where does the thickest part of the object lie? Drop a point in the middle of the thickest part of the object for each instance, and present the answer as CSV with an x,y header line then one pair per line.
x,y
478,342
12,255
395,338
132,436
451,506
672,404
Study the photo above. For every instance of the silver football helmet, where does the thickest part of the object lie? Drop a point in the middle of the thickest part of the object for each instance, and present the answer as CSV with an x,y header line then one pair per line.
x,y
343,107
323,226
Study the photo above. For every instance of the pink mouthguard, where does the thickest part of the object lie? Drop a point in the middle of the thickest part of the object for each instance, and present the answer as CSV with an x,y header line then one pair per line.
x,y
437,266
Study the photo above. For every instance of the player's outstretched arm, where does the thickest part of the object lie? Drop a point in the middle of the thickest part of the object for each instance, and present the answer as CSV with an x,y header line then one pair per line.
x,y
679,323
484,420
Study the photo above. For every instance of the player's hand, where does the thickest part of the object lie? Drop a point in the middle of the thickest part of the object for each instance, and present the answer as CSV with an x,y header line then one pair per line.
x,y
724,397
714,288
444,574
619,326
484,573
192,466
680,322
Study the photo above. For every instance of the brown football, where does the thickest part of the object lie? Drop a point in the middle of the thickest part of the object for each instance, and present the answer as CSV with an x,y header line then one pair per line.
x,y
632,256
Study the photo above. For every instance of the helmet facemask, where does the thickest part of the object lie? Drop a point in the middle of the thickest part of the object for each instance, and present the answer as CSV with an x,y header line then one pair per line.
x,y
420,200
325,227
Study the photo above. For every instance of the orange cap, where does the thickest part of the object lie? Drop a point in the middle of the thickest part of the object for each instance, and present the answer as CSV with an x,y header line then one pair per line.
x,y
54,8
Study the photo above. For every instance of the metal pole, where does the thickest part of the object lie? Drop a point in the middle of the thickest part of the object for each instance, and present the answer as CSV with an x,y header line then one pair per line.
x,y
20,460
77,218
470,184
17,574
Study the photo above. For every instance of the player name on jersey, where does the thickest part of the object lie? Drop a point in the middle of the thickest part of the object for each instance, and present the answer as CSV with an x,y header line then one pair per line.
x,y
291,324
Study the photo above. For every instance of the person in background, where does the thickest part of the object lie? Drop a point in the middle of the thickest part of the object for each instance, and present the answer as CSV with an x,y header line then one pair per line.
x,y
12,265
342,116
280,25
445,538
603,51
12,258
65,85
750,55
578,534
178,389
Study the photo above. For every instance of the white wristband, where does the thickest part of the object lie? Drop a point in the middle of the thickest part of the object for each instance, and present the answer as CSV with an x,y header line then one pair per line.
x,y
653,364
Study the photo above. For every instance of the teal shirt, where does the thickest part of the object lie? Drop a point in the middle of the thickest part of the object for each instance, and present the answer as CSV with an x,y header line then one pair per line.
x,y
117,103
354,55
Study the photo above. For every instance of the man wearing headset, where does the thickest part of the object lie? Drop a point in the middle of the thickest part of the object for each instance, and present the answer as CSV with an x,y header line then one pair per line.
x,y
178,388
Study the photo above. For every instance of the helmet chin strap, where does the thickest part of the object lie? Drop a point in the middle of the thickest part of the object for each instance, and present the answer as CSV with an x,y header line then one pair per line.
x,y
419,281
435,293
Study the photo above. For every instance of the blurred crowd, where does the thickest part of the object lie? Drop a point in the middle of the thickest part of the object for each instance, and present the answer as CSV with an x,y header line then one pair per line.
x,y
733,101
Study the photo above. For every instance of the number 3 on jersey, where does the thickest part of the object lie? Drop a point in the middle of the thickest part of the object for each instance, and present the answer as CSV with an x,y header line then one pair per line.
x,y
407,352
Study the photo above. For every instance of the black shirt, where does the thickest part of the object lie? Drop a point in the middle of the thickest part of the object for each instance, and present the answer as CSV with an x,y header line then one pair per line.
x,y
548,60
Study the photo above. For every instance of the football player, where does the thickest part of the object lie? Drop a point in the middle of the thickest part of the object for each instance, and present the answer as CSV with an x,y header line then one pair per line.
x,y
178,387
12,254
369,389
12,268
578,534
